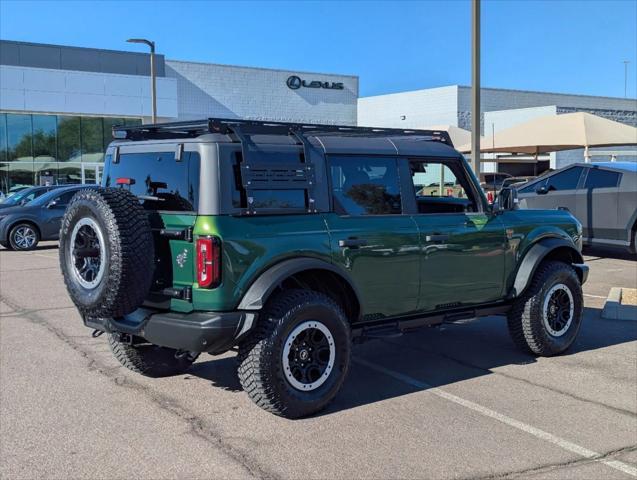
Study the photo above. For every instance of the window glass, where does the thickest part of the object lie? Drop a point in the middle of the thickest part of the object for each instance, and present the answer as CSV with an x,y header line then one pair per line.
x,y
278,199
46,173
19,137
20,174
601,178
65,198
160,181
440,188
565,180
92,132
44,138
69,173
109,123
365,185
3,138
69,149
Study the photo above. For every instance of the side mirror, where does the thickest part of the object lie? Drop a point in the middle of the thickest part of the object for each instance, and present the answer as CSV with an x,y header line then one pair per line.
x,y
507,199
52,204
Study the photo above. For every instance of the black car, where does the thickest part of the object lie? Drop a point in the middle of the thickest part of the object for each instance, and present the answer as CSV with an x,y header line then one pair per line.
x,y
23,226
25,195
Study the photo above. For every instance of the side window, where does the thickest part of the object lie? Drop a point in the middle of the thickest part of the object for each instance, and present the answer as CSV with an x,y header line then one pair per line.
x,y
565,180
441,188
65,198
365,185
601,178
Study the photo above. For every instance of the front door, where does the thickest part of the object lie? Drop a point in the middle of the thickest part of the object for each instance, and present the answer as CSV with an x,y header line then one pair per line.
x,y
462,260
370,236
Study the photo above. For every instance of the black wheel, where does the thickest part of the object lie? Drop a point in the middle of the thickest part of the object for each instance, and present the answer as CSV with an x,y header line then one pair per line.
x,y
106,252
24,236
546,319
150,360
296,360
6,245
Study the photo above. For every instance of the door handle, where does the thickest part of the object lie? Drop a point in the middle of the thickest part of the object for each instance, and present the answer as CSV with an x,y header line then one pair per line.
x,y
352,243
436,237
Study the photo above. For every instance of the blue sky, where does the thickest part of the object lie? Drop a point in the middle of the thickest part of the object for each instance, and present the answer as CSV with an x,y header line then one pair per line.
x,y
562,46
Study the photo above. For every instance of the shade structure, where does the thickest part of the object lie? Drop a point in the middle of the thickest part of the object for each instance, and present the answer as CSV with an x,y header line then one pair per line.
x,y
553,133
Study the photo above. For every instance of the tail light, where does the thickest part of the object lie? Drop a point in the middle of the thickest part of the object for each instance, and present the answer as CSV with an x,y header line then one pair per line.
x,y
208,262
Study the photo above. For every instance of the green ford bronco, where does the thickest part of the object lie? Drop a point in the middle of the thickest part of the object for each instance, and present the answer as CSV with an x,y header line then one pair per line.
x,y
289,242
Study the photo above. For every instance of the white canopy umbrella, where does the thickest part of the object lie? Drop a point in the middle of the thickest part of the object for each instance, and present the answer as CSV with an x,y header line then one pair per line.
x,y
459,136
558,132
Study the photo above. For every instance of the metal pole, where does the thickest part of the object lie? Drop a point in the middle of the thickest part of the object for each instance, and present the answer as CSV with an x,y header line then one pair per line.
x,y
475,86
153,81
626,62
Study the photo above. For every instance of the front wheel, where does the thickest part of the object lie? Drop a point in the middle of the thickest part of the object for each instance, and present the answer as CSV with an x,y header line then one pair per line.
x,y
23,236
546,319
296,360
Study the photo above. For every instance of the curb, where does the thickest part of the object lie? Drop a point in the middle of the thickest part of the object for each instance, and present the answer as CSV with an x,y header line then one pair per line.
x,y
614,310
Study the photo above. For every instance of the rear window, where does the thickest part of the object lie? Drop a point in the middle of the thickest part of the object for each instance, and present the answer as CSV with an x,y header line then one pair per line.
x,y
601,179
161,182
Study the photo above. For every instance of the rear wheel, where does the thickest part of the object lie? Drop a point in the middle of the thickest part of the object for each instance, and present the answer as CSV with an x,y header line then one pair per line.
x,y
24,236
546,319
150,360
296,360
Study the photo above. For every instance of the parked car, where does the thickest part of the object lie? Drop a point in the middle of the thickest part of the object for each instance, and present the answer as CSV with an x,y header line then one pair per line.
x,y
23,226
289,241
602,196
516,181
24,196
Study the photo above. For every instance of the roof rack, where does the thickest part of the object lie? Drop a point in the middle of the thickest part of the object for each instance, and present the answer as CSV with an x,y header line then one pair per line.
x,y
195,128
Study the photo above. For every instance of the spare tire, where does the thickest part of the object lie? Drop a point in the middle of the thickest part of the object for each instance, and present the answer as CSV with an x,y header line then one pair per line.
x,y
106,252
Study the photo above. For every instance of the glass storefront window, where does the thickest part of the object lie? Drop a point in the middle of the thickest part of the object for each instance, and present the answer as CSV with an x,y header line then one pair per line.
x,y
92,140
19,138
44,138
69,146
47,149
3,139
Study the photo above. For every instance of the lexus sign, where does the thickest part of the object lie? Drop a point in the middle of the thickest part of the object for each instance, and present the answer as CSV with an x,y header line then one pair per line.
x,y
294,82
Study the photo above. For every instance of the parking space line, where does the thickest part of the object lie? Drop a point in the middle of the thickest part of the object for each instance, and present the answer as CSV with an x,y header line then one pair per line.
x,y
536,432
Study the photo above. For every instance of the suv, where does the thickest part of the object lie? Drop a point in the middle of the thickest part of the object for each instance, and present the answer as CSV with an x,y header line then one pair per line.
x,y
288,242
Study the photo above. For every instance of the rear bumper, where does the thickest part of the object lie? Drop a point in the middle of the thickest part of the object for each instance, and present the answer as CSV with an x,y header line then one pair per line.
x,y
212,332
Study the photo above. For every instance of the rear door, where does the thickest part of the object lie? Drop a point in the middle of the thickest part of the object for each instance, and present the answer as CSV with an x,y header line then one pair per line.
x,y
370,236
598,205
168,187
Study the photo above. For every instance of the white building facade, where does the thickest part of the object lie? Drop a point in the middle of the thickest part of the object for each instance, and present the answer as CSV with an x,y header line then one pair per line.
x,y
59,103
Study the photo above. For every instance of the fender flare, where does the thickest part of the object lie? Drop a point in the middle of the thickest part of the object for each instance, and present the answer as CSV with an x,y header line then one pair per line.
x,y
258,293
536,254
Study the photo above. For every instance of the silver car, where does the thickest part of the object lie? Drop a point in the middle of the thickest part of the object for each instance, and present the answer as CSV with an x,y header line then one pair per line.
x,y
603,197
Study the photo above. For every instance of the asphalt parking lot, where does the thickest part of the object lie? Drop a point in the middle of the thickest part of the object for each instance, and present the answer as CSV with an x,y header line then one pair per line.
x,y
456,402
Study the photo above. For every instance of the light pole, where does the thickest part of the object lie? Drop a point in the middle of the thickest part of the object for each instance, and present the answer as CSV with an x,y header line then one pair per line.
x,y
475,86
626,62
153,82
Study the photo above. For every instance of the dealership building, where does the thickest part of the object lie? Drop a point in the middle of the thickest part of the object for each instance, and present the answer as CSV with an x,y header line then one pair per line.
x,y
501,109
59,103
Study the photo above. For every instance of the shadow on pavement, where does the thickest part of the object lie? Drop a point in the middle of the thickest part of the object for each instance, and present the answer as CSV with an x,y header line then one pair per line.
x,y
606,252
435,356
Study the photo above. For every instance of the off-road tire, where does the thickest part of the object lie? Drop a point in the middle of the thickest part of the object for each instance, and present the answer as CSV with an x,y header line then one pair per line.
x,y
525,320
260,356
128,252
149,360
12,233
6,245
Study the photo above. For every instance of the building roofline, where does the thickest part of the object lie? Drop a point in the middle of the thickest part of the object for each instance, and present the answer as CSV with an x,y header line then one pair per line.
x,y
75,47
458,86
263,68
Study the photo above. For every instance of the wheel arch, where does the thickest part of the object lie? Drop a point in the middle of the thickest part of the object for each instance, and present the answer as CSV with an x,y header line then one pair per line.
x,y
552,248
310,273
20,221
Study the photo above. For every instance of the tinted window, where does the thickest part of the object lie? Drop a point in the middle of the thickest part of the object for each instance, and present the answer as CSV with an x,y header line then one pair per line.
x,y
601,179
365,185
160,181
565,180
